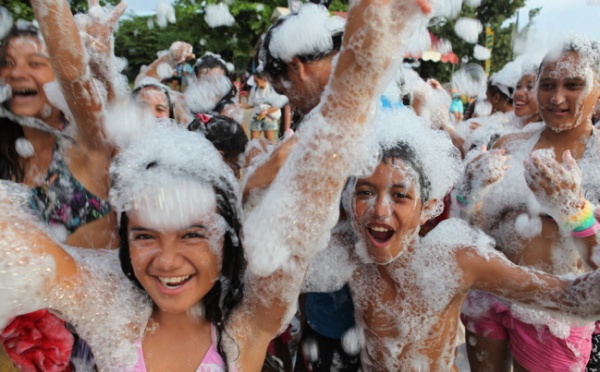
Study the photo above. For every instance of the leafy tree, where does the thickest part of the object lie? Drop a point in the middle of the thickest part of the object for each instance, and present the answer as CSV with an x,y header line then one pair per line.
x,y
139,43
492,13
22,9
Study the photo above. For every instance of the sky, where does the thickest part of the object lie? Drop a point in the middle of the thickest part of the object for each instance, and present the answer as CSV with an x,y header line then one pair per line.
x,y
556,18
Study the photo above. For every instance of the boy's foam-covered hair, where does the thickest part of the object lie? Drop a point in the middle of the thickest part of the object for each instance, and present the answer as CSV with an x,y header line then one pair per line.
x,y
311,34
433,151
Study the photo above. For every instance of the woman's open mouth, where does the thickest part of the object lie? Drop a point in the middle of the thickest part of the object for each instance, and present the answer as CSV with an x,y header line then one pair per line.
x,y
172,285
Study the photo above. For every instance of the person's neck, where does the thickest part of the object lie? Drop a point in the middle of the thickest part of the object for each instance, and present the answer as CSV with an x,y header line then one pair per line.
x,y
39,139
183,322
582,131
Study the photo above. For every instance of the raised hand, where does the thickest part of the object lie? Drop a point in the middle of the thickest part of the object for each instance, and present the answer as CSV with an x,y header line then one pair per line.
x,y
99,25
557,187
482,170
181,51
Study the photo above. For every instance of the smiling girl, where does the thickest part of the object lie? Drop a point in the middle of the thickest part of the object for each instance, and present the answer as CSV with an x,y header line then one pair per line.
x,y
180,224
530,232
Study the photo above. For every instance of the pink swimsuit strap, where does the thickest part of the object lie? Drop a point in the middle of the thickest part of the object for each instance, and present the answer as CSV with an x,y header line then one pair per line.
x,y
212,361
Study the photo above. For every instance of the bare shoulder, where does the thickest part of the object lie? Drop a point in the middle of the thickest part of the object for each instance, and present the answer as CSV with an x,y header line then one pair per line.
x,y
507,140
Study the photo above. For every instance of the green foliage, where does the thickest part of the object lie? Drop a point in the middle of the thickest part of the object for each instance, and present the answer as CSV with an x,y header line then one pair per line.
x,y
491,13
237,44
19,9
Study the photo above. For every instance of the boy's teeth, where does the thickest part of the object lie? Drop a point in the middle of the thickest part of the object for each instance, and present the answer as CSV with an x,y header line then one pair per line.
x,y
173,280
379,229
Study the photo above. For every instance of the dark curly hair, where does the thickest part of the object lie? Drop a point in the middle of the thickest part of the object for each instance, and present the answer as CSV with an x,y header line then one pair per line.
x,y
226,134
228,292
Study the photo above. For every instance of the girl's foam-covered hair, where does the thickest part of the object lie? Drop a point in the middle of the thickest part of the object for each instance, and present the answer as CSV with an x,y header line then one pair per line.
x,y
167,153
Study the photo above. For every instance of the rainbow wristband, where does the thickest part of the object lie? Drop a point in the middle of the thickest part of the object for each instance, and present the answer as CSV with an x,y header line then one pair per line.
x,y
583,224
587,232
582,220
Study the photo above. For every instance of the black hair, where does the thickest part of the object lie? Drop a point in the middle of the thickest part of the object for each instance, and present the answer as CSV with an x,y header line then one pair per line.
x,y
276,67
11,166
161,88
493,90
226,134
261,74
406,153
226,293
210,61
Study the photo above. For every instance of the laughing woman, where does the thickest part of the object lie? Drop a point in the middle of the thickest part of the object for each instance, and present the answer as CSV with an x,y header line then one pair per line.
x,y
181,244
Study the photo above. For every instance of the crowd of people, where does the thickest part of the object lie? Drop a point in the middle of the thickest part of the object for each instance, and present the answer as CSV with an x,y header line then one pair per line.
x,y
343,215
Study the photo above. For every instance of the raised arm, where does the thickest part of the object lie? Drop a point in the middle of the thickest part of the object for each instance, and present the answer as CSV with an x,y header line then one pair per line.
x,y
32,264
70,63
294,221
98,28
178,52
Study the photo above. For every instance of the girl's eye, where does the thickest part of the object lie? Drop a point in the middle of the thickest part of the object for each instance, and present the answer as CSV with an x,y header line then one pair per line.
x,y
400,195
142,236
363,193
194,235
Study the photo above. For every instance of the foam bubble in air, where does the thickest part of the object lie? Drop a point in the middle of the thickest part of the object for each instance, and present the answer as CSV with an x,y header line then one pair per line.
x,y
217,15
470,80
481,53
205,93
468,29
57,99
305,33
6,22
353,341
419,42
165,14
24,147
126,121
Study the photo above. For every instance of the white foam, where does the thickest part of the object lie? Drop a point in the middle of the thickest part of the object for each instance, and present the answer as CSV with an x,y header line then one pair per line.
x,y
481,53
206,92
6,22
217,15
165,14
305,33
24,147
468,29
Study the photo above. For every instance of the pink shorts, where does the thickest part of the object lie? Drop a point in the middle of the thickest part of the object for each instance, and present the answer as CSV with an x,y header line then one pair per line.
x,y
533,347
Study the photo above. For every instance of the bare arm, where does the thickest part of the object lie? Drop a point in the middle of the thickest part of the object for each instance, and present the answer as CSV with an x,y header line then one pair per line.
x,y
98,37
301,206
178,52
528,286
70,64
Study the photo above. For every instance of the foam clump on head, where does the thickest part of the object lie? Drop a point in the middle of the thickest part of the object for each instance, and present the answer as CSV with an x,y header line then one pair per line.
x,y
438,158
307,32
168,175
587,49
